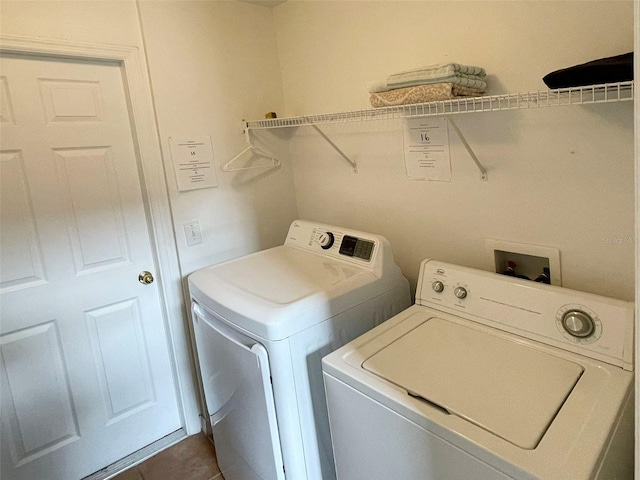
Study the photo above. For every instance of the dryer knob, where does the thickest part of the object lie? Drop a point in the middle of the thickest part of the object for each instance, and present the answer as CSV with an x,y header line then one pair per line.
x,y
326,240
578,323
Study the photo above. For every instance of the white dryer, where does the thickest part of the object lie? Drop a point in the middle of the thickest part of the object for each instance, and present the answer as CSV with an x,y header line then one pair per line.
x,y
487,377
262,324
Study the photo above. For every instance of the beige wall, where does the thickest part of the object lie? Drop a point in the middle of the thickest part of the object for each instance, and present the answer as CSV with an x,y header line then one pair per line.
x,y
330,50
213,64
559,177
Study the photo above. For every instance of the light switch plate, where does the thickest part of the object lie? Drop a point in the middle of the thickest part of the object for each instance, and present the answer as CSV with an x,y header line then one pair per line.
x,y
193,233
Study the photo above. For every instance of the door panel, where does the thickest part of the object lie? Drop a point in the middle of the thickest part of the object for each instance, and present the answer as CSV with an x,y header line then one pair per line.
x,y
85,365
35,372
122,358
24,267
94,211
237,387
71,100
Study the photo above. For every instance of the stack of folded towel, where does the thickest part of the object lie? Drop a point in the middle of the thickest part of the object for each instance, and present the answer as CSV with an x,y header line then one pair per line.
x,y
428,84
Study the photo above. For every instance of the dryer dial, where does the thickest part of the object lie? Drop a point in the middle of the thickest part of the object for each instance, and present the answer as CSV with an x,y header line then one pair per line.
x,y
578,324
326,240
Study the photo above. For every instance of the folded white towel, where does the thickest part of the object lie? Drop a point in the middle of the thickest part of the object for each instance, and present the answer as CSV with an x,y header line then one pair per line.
x,y
466,75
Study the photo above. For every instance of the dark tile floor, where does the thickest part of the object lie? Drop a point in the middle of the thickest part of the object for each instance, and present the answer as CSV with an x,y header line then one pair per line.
x,y
194,458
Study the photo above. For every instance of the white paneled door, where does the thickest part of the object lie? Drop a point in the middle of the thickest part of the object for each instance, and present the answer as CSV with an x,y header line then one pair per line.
x,y
85,372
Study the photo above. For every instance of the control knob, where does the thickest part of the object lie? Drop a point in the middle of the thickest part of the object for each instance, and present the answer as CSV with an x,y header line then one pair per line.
x,y
578,324
460,292
437,286
326,240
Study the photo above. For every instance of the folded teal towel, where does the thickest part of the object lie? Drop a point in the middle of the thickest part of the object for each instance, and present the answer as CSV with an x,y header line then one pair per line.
x,y
465,75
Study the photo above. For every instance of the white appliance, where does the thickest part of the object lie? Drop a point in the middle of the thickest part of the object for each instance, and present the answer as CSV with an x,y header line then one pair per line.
x,y
262,325
486,377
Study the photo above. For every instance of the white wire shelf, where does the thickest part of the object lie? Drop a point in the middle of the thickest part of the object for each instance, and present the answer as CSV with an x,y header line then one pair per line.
x,y
606,93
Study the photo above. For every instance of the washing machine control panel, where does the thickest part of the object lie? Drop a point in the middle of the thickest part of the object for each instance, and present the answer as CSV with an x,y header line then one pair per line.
x,y
592,325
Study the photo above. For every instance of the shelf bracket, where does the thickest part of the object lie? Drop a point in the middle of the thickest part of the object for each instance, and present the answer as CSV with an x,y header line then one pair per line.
x,y
483,171
336,148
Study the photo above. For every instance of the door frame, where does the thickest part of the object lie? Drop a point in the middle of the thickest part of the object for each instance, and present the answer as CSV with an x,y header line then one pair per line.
x,y
636,117
155,197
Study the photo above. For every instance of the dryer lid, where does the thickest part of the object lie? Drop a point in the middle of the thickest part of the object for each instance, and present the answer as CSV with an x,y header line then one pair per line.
x,y
282,275
501,385
278,292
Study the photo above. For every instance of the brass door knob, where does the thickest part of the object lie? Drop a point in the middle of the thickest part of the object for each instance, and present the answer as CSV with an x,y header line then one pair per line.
x,y
145,278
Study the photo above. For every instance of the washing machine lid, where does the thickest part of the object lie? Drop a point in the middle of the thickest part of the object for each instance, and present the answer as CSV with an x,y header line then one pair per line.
x,y
501,385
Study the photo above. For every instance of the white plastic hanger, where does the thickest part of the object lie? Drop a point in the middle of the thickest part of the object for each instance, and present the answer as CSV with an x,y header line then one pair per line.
x,y
254,150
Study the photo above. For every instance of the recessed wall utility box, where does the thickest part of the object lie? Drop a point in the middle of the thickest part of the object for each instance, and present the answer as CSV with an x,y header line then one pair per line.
x,y
530,260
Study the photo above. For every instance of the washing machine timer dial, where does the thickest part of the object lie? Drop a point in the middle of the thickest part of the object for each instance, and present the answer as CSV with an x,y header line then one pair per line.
x,y
326,239
578,323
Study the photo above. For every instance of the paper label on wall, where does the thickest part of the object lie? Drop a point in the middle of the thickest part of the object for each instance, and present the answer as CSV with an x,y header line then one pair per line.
x,y
426,149
193,162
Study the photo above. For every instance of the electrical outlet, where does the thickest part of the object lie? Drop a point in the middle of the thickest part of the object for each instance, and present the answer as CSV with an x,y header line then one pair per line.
x,y
530,261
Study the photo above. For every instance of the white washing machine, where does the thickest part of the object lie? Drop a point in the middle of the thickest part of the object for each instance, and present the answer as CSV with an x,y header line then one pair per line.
x,y
263,323
487,377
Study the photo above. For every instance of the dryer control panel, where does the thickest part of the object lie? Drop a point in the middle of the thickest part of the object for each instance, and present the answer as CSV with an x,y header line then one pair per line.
x,y
333,241
364,249
591,325
356,247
